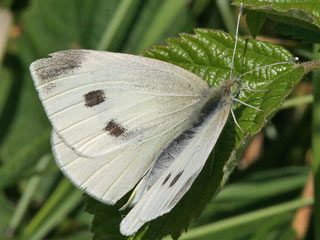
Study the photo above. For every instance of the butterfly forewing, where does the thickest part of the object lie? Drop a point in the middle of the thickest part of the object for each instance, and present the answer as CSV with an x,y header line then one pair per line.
x,y
98,102
112,114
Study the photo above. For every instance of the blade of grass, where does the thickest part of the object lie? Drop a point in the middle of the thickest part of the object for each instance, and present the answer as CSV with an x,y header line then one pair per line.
x,y
27,195
293,102
57,216
304,53
81,235
112,28
6,84
161,21
316,145
49,211
6,210
247,218
199,6
24,160
227,16
258,188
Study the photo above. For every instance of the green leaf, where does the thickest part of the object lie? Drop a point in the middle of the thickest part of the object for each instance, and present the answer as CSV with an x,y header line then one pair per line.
x,y
303,13
254,22
106,220
298,32
208,54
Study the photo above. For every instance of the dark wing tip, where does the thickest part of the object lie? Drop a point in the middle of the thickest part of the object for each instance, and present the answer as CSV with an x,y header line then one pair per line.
x,y
59,64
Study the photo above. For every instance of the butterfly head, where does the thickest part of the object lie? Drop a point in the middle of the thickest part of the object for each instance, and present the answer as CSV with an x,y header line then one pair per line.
x,y
233,86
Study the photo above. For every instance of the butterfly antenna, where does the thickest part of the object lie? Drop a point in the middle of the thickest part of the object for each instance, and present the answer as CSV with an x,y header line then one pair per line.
x,y
295,59
236,40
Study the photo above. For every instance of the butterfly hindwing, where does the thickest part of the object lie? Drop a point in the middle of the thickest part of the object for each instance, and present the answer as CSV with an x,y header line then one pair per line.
x,y
189,155
107,178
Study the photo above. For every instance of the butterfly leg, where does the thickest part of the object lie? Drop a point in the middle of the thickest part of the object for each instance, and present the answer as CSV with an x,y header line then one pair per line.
x,y
255,90
235,121
246,104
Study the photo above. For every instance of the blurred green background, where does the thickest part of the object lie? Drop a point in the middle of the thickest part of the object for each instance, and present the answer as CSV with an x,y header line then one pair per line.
x,y
37,202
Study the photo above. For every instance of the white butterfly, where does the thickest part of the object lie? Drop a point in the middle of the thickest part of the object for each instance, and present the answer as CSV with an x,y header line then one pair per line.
x,y
121,120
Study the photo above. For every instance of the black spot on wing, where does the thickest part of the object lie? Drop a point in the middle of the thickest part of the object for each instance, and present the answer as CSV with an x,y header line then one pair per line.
x,y
176,178
182,190
114,128
94,98
176,146
166,179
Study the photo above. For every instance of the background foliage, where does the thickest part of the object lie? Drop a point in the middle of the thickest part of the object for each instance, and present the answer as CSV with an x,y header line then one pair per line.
x,y
263,193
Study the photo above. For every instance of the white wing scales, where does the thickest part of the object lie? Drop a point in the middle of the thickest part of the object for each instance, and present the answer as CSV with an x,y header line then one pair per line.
x,y
112,114
114,117
83,91
109,177
178,178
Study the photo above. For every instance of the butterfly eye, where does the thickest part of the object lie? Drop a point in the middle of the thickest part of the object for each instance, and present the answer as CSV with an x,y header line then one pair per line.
x,y
235,87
